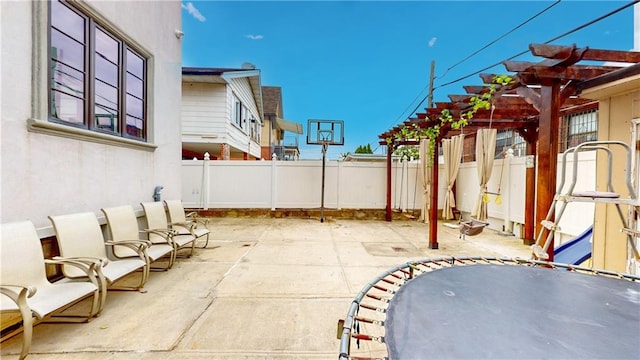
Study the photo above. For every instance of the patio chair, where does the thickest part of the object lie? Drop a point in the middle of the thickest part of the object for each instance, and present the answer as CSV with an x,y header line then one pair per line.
x,y
123,225
80,236
187,223
24,285
158,227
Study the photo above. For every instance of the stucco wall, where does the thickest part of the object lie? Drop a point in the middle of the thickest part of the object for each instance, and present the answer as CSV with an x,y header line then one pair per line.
x,y
47,174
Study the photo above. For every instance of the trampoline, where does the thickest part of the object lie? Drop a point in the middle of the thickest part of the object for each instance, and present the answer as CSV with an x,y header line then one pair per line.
x,y
494,308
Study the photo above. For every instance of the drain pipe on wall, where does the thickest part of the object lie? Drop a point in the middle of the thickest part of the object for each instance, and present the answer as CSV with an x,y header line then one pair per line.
x,y
156,192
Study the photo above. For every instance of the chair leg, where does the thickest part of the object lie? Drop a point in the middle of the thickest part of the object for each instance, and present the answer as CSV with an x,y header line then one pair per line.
x,y
95,305
193,246
27,326
206,243
102,291
175,253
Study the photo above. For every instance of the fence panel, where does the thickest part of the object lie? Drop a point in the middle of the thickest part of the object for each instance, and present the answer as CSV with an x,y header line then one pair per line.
x,y
362,185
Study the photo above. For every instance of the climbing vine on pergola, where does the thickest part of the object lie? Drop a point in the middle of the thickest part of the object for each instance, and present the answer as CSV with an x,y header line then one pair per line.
x,y
416,132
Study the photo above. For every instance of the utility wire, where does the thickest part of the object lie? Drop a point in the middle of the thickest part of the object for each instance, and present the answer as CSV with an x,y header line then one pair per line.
x,y
501,37
546,42
470,56
412,101
512,57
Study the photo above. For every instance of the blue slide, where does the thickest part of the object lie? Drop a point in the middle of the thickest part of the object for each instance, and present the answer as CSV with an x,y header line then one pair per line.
x,y
575,251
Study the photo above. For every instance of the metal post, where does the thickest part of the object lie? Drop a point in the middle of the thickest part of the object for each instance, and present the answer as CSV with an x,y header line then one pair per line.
x,y
206,170
324,157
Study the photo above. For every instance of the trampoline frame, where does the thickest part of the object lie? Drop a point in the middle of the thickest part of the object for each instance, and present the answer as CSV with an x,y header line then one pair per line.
x,y
383,287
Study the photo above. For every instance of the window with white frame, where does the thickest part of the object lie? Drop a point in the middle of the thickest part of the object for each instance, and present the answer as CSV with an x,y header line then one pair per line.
x,y
245,118
97,81
236,114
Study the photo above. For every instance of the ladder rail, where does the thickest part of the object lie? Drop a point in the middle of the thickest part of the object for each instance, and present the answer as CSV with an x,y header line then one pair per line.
x,y
592,144
574,178
541,248
550,226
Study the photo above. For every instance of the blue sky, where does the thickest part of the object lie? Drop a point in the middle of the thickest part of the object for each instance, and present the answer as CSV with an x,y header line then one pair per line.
x,y
368,62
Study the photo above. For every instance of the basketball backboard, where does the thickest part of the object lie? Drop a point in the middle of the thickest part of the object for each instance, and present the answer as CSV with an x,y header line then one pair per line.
x,y
329,132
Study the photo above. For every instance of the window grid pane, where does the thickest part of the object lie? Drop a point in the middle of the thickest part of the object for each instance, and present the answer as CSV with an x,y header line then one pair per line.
x,y
578,128
67,79
135,103
509,139
106,82
68,108
68,21
67,51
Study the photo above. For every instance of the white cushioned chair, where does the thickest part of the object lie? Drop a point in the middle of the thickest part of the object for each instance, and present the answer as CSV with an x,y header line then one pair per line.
x,y
24,285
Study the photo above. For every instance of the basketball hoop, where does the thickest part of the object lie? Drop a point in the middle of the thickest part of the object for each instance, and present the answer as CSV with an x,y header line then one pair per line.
x,y
325,133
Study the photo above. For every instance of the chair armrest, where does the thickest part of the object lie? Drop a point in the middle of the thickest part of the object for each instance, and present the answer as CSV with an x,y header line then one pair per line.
x,y
193,216
161,232
193,223
91,266
187,225
133,244
166,234
202,221
139,246
84,259
15,292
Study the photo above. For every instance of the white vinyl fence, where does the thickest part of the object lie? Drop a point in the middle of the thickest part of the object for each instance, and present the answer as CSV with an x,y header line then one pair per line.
x,y
362,185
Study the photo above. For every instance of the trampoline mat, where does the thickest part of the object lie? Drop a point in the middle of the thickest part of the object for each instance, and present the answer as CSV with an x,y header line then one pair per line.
x,y
506,312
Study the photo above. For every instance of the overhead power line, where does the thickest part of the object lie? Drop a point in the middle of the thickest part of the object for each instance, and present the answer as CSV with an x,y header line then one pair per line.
x,y
467,58
546,42
511,57
501,37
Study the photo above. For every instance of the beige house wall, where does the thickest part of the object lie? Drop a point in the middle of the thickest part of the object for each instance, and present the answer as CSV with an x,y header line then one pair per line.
x,y
619,104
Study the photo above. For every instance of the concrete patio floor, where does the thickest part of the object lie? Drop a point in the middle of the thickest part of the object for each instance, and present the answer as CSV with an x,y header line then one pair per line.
x,y
263,289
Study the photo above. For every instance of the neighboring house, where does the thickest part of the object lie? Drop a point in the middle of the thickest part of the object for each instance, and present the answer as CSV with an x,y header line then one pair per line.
x,y
221,113
274,139
90,106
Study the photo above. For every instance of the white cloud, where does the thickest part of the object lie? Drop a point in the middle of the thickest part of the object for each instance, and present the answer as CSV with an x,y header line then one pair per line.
x,y
254,37
191,9
432,41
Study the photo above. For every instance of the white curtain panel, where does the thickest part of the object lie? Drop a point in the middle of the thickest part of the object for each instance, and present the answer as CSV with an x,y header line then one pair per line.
x,y
485,152
452,150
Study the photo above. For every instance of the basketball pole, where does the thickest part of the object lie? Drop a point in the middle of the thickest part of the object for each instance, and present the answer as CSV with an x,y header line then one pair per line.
x,y
323,132
324,158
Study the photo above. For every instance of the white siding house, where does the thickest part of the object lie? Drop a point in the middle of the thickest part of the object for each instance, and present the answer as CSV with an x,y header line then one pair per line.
x,y
90,106
221,113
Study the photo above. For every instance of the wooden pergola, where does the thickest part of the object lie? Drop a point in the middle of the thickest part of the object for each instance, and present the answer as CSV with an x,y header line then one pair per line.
x,y
532,106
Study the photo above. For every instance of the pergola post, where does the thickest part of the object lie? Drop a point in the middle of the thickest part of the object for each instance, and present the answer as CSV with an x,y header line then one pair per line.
x,y
547,151
529,236
433,208
389,213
